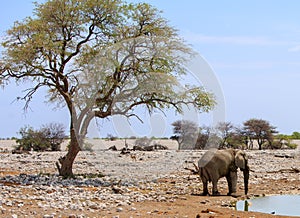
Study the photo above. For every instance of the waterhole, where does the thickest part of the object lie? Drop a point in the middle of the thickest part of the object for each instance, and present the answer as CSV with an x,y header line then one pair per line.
x,y
288,205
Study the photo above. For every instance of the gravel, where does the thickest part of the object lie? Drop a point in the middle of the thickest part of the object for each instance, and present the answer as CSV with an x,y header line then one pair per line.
x,y
156,176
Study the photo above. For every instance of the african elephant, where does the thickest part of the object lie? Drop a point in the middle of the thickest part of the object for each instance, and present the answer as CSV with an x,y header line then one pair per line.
x,y
215,164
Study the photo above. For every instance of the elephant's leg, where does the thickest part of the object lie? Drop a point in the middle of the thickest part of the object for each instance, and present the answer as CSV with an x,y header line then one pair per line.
x,y
215,187
229,182
205,189
233,182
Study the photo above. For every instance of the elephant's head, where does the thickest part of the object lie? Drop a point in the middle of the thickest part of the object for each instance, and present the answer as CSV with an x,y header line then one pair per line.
x,y
241,161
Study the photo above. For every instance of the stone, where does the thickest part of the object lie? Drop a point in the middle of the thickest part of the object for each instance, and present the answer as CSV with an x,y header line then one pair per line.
x,y
9,203
48,216
94,207
119,209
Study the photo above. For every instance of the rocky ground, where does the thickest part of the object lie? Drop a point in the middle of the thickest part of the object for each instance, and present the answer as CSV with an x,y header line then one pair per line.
x,y
139,184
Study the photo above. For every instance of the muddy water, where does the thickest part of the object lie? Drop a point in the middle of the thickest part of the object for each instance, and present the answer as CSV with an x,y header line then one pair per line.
x,y
288,205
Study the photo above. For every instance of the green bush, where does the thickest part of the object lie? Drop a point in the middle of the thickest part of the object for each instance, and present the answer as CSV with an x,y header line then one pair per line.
x,y
48,138
275,145
87,146
292,145
295,135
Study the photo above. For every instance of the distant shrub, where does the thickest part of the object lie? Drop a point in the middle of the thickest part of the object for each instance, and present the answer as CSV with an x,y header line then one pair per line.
x,y
87,146
48,138
111,137
286,140
275,145
55,134
132,137
295,135
31,140
292,145
143,142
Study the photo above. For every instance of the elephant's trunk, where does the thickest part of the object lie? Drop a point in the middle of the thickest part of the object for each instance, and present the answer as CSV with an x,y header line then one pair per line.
x,y
246,179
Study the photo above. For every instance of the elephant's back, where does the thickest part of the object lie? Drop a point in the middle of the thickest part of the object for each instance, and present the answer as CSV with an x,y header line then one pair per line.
x,y
216,159
207,158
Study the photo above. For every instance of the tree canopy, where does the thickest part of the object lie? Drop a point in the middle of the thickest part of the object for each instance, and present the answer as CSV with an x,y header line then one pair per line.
x,y
99,58
260,130
185,133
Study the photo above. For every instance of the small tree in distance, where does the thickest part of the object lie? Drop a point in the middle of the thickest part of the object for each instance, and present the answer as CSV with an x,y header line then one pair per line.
x,y
239,138
259,130
225,131
186,133
203,137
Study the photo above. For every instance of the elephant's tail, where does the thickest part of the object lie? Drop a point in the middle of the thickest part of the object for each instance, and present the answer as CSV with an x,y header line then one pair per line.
x,y
204,174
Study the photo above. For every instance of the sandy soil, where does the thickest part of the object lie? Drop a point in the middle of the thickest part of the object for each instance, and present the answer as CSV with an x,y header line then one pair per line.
x,y
271,175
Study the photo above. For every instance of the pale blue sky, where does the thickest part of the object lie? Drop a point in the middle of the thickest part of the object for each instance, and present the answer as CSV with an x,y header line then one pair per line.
x,y
252,46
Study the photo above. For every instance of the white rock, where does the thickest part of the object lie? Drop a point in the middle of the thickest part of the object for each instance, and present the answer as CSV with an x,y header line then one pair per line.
x,y
48,216
119,209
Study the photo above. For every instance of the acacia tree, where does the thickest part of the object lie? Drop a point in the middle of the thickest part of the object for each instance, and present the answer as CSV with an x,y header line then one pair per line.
x,y
260,130
205,132
186,133
99,58
225,131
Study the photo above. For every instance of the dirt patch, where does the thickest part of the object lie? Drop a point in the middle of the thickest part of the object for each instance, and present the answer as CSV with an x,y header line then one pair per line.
x,y
169,191
190,205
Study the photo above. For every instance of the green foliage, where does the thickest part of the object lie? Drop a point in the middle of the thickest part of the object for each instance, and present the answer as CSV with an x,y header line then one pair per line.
x,y
292,145
32,140
48,138
287,140
225,130
259,130
236,140
295,135
99,59
66,36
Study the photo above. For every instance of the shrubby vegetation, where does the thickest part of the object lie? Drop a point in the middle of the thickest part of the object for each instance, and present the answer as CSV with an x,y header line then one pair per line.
x,y
294,135
185,133
254,133
48,138
111,137
143,142
146,144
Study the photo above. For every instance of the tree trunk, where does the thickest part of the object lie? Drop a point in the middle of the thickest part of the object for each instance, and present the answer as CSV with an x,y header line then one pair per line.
x,y
78,131
65,165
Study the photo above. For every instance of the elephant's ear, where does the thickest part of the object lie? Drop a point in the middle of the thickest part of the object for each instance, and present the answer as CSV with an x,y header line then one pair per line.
x,y
240,159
